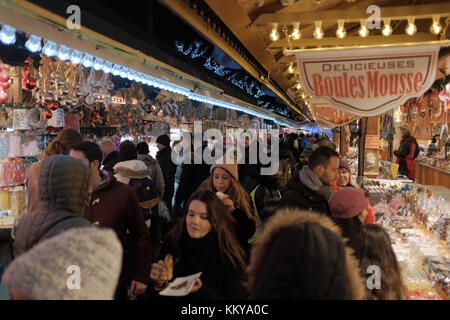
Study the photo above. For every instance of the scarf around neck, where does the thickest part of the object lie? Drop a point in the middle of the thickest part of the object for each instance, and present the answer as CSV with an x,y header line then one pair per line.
x,y
312,182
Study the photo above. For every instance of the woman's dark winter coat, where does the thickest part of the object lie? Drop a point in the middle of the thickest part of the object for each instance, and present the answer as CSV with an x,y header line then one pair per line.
x,y
220,279
301,255
63,193
244,228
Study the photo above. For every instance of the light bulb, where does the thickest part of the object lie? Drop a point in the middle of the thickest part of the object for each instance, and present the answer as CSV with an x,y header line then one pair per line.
x,y
63,53
363,30
387,29
87,60
274,35
115,71
76,56
50,48
411,28
98,63
107,67
130,74
291,69
299,86
341,32
296,34
318,32
138,77
34,43
123,72
436,27
8,34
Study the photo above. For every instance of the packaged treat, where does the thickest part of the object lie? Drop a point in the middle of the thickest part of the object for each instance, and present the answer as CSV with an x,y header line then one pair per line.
x,y
17,200
15,146
4,199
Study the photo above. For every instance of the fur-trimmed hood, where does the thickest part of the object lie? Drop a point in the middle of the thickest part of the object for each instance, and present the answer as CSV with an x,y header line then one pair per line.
x,y
131,169
285,275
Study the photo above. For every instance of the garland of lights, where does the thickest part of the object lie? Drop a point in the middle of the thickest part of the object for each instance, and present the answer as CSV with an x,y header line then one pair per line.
x,y
249,86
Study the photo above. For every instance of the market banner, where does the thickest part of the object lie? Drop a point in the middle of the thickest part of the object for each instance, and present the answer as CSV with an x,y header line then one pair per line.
x,y
329,117
368,81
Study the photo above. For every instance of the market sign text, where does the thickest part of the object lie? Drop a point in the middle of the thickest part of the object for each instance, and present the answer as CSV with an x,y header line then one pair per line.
x,y
368,81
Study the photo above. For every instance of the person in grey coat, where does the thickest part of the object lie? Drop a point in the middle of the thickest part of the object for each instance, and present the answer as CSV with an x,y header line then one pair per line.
x,y
153,165
63,188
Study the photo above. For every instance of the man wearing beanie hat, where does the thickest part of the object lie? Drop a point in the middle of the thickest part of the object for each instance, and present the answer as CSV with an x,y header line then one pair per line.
x,y
63,192
168,168
84,264
349,210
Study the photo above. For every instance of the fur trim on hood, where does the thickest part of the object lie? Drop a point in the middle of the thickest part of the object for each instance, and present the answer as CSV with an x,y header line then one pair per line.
x,y
132,169
285,218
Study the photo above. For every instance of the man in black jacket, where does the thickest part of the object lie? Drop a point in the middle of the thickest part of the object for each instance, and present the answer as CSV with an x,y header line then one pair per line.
x,y
310,189
168,168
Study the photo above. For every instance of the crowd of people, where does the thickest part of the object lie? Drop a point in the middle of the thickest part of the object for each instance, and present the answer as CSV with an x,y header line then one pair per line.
x,y
132,223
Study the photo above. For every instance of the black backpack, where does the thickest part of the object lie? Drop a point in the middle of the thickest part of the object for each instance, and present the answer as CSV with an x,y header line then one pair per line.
x,y
147,196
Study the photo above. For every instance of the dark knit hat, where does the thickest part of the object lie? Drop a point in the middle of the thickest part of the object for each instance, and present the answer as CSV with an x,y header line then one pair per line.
x,y
344,164
127,151
164,140
348,203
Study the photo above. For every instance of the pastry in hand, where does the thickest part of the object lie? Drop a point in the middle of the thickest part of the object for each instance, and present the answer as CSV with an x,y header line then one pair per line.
x,y
221,195
167,272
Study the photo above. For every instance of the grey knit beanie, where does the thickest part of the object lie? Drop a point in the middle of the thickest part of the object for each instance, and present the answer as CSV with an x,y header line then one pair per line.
x,y
49,271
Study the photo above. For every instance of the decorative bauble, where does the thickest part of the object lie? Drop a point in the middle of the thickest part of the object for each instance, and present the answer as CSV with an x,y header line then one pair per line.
x,y
61,83
29,83
79,94
52,106
51,91
90,99
69,101
107,101
48,114
66,91
3,96
4,85
4,76
48,99
51,82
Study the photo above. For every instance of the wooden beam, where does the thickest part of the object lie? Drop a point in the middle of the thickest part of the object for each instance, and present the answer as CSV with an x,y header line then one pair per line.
x,y
353,15
349,41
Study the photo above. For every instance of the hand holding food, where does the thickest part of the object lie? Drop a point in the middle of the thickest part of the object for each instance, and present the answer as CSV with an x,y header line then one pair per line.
x,y
221,195
167,271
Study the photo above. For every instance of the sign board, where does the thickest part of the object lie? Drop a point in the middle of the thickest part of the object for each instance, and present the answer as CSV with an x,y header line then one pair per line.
x,y
329,117
368,81
372,142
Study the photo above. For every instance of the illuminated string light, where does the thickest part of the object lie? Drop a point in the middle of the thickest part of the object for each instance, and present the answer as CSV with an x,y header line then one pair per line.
x,y
387,29
436,26
318,32
341,32
411,28
363,30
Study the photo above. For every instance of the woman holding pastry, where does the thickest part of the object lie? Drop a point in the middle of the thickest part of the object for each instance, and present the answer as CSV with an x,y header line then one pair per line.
x,y
225,184
202,241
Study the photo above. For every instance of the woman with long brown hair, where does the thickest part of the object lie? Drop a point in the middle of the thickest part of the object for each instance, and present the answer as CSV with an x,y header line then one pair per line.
x,y
224,182
375,249
202,241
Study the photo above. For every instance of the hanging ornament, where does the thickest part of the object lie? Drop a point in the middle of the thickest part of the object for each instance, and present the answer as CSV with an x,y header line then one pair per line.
x,y
4,85
3,96
52,106
4,76
48,114
28,75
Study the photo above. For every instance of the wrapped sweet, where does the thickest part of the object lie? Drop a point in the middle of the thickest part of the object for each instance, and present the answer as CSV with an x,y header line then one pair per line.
x,y
4,199
17,200
15,146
